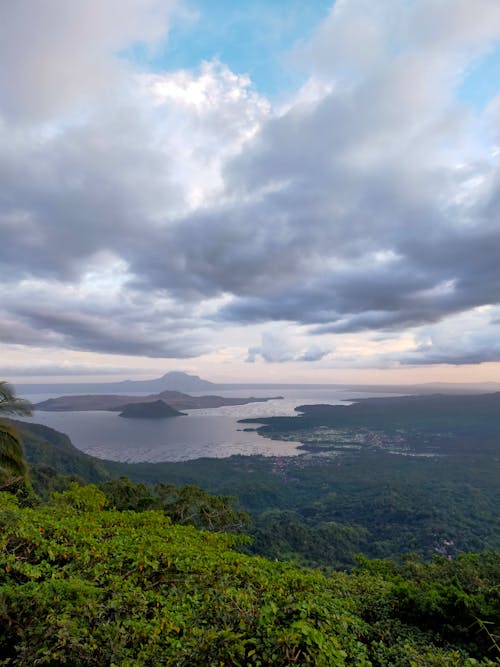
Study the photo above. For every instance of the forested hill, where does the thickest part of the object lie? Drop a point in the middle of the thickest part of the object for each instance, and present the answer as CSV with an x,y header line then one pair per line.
x,y
54,459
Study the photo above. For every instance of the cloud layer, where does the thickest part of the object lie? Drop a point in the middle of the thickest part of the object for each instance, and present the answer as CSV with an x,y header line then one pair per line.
x,y
143,212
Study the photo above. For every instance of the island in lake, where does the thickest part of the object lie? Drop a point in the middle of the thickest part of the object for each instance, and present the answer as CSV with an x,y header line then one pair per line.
x,y
117,402
150,410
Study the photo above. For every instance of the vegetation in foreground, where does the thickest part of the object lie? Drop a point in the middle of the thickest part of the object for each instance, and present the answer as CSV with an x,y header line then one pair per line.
x,y
109,576
84,585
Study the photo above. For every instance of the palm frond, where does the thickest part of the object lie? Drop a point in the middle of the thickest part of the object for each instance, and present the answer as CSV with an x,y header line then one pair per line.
x,y
10,404
11,452
12,463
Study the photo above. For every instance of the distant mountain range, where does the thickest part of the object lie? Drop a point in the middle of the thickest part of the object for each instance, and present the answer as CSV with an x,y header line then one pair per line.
x,y
171,381
185,382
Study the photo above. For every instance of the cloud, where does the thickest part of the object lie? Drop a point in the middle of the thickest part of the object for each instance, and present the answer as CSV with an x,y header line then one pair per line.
x,y
119,180
55,55
105,319
273,349
144,212
276,348
382,227
91,254
314,353
47,370
469,338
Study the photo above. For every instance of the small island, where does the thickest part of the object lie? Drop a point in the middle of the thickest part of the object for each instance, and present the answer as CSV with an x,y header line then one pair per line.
x,y
149,410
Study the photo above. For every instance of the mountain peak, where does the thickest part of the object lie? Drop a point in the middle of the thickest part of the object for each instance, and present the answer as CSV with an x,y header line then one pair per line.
x,y
172,380
173,375
181,381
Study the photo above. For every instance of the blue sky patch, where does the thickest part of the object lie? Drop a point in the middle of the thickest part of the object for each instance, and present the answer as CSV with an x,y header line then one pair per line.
x,y
252,38
481,83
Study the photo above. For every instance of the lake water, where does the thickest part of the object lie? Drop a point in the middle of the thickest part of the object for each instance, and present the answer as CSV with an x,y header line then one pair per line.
x,y
213,433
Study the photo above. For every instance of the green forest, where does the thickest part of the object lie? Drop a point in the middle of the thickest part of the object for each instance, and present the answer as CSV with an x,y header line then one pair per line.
x,y
352,554
83,584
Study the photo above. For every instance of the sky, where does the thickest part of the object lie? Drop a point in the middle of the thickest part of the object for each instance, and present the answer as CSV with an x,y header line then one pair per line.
x,y
266,190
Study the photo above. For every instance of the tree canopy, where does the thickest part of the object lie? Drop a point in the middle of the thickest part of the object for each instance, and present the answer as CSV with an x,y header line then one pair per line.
x,y
84,585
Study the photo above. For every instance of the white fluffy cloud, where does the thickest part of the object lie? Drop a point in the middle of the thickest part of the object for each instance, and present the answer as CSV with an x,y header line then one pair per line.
x,y
278,348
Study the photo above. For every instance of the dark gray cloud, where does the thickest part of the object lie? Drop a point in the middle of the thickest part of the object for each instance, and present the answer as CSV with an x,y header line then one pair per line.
x,y
116,335
166,339
424,356
120,322
94,187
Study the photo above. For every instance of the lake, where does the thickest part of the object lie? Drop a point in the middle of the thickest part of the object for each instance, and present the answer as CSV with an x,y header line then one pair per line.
x,y
213,433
